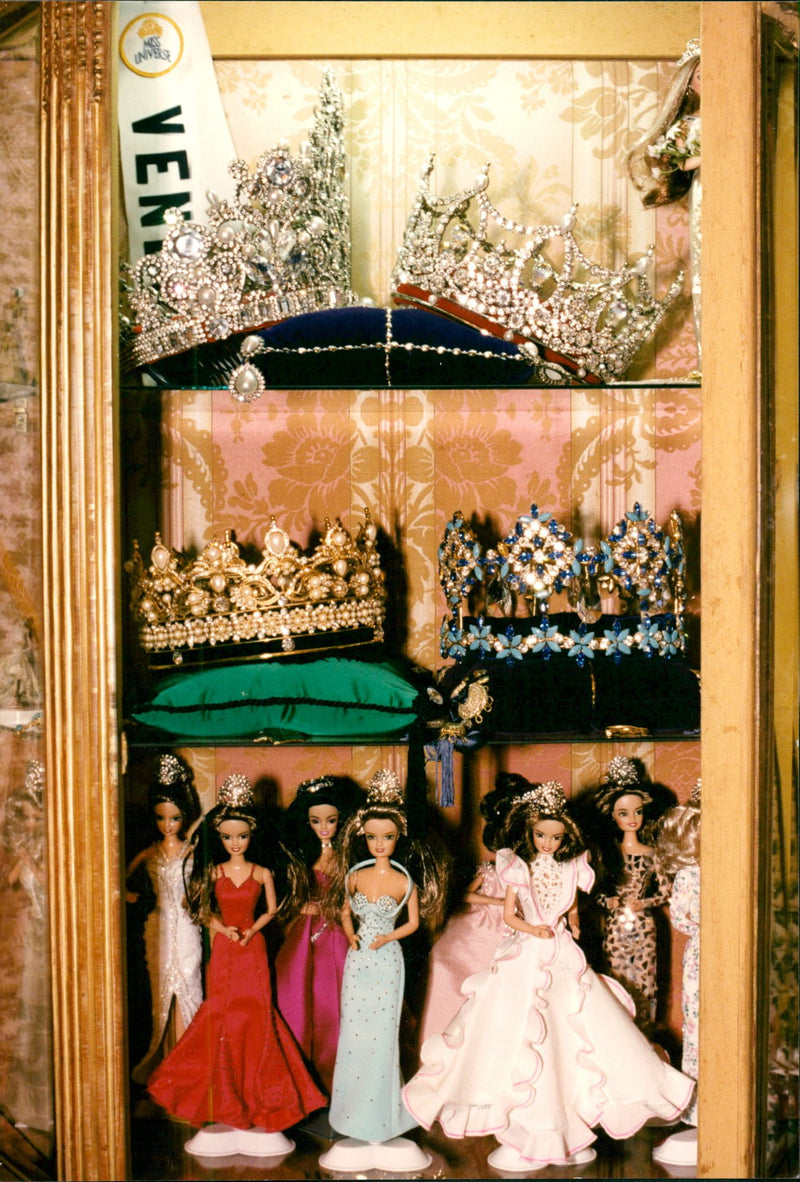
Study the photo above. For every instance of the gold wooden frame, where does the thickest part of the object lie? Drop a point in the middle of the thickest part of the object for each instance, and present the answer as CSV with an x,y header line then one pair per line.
x,y
81,470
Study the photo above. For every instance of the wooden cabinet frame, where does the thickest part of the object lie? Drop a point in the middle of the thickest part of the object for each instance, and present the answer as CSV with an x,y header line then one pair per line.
x,y
81,476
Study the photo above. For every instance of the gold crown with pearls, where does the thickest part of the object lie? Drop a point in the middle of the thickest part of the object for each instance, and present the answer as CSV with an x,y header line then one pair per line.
x,y
332,597
281,247
576,319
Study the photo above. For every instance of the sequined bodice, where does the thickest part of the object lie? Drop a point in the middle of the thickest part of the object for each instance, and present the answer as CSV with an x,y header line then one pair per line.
x,y
546,884
237,904
168,878
638,871
377,917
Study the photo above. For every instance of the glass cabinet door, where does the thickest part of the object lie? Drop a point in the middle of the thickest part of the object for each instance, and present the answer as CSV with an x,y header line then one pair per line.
x,y
26,1048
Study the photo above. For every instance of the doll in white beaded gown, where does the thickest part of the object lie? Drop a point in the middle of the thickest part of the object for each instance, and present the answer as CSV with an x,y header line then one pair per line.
x,y
173,945
543,1049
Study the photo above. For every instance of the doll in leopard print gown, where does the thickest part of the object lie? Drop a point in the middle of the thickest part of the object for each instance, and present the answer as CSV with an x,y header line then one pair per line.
x,y
631,886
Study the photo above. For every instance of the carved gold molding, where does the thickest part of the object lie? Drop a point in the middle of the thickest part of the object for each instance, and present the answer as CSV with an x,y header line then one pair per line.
x,y
78,253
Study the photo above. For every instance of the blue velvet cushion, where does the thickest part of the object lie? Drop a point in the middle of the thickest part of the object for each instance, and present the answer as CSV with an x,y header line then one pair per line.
x,y
357,347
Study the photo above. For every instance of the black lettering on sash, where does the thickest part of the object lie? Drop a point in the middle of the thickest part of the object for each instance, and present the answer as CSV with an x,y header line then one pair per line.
x,y
162,161
157,125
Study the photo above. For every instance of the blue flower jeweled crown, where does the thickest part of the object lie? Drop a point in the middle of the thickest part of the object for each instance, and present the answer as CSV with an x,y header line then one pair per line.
x,y
280,248
639,563
573,319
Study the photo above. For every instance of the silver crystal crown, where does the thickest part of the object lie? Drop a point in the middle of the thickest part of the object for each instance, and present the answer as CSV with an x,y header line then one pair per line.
x,y
547,798
576,318
281,247
236,791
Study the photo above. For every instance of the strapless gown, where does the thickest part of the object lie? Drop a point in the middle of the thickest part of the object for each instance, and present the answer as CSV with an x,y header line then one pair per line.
x,y
308,985
366,1100
238,1063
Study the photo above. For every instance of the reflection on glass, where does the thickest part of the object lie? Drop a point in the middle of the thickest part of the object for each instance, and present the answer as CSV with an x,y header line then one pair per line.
x,y
778,1100
26,1060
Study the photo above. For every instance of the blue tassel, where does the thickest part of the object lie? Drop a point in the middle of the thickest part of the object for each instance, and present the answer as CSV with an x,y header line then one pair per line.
x,y
441,753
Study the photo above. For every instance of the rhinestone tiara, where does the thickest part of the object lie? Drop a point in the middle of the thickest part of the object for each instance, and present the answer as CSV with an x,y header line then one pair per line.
x,y
236,792
384,788
279,248
640,563
574,320
546,798
333,596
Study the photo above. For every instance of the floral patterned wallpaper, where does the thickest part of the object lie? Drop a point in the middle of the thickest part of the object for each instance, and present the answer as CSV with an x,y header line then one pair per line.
x,y
555,133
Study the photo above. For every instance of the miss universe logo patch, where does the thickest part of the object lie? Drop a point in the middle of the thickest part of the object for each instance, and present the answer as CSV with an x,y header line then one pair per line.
x,y
151,45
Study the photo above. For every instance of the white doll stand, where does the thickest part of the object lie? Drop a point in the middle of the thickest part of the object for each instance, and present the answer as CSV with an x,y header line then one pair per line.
x,y
398,1156
678,1150
224,1141
506,1158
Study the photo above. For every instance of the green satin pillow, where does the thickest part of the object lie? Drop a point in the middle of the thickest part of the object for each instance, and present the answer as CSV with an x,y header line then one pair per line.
x,y
330,698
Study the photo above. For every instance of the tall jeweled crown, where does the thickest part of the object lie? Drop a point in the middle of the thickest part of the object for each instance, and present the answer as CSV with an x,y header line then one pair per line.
x,y
333,596
280,248
575,317
638,562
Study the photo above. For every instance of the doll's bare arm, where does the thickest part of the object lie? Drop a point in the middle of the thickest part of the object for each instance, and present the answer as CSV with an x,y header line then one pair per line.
x,y
347,926
264,876
406,928
473,895
541,930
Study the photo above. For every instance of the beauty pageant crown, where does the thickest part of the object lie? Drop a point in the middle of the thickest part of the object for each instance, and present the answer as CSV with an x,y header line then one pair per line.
x,y
236,791
638,562
333,596
546,798
280,248
384,788
571,320
171,770
621,772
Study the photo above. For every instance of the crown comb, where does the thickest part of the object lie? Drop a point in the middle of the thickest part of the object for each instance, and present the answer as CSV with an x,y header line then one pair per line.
x,y
281,247
547,798
235,792
574,321
332,597
638,562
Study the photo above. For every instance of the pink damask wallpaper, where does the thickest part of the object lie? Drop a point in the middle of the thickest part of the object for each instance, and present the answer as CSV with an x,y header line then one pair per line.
x,y
555,133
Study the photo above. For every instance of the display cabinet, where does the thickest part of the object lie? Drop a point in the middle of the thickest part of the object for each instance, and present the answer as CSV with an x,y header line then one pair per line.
x,y
415,456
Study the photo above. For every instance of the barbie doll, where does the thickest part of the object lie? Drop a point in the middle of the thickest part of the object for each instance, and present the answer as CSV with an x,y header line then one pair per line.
x,y
631,885
374,878
237,1063
678,856
542,1049
28,1095
468,942
173,947
665,165
310,964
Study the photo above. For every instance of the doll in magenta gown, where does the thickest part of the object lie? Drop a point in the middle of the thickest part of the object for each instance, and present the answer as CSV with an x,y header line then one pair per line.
x,y
310,964
237,1064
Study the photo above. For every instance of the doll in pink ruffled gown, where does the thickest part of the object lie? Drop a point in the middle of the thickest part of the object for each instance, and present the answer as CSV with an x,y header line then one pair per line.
x,y
543,1049
468,941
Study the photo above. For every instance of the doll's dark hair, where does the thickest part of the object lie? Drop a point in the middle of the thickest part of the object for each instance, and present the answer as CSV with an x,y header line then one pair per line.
x,y
385,803
495,806
542,802
174,785
680,100
299,840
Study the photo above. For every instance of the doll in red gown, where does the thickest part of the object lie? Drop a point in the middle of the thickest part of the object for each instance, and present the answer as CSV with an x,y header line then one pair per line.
x,y
237,1064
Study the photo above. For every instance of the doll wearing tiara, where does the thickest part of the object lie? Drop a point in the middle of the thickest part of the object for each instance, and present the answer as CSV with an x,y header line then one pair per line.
x,y
173,947
374,880
631,885
238,1063
543,1049
310,964
468,941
